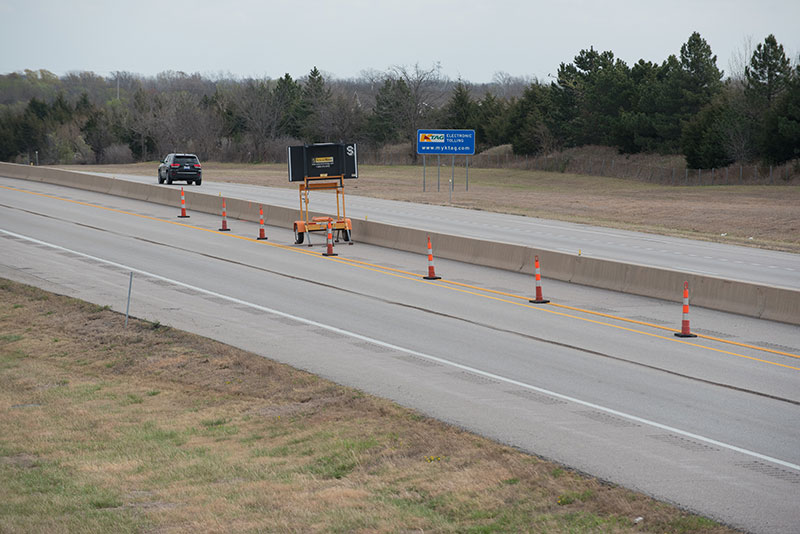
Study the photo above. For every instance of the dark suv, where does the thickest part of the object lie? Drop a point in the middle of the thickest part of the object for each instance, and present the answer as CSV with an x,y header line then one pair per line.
x,y
180,167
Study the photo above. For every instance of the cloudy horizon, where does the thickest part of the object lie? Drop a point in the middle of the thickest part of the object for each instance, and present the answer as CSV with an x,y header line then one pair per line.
x,y
472,40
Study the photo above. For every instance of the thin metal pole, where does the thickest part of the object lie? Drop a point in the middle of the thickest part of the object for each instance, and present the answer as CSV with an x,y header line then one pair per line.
x,y
468,171
128,307
438,171
453,172
423,173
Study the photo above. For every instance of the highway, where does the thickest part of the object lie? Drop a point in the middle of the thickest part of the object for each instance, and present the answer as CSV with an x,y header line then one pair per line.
x,y
732,262
595,380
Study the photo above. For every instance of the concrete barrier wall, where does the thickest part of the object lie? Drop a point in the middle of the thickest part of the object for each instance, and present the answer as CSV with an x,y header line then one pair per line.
x,y
756,300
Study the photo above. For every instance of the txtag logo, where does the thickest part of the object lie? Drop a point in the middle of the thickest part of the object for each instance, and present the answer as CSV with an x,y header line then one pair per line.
x,y
431,138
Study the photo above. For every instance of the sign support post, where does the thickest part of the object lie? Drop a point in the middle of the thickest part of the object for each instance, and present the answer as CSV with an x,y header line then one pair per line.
x,y
438,171
453,172
467,158
453,142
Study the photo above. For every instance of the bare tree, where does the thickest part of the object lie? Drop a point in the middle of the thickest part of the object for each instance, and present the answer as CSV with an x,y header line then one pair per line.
x,y
426,93
504,85
185,125
253,100
141,118
740,59
342,119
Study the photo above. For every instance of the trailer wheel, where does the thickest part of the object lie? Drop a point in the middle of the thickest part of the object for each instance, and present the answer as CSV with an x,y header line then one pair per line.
x,y
345,234
298,236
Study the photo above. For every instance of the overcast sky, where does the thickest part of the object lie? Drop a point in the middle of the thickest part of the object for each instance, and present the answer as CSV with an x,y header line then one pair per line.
x,y
471,39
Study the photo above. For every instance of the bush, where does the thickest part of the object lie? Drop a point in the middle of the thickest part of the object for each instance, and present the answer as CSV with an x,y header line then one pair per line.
x,y
118,153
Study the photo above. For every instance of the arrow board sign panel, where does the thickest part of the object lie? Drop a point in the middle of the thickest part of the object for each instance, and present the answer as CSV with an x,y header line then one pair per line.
x,y
455,142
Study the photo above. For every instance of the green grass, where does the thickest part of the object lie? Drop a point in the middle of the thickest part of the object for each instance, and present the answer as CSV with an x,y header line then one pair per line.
x,y
10,338
142,448
46,497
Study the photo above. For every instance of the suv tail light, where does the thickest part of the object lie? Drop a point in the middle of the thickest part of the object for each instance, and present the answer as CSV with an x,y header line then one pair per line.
x,y
175,165
197,166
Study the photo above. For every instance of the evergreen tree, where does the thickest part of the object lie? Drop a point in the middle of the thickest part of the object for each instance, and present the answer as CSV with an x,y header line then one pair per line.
x,y
9,143
702,139
314,104
386,124
60,110
530,134
493,121
591,95
460,112
287,97
32,128
768,74
654,123
701,79
781,134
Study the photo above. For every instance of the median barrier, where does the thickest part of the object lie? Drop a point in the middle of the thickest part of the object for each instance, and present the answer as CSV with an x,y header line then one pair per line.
x,y
13,170
128,189
755,300
89,182
164,195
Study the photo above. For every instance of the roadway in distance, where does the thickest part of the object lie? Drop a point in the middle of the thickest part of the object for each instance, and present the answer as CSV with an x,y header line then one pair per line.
x,y
732,262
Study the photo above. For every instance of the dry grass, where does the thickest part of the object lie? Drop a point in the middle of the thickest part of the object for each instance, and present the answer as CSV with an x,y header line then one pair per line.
x,y
150,429
753,215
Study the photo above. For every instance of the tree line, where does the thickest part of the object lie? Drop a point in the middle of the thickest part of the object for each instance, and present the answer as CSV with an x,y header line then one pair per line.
x,y
683,105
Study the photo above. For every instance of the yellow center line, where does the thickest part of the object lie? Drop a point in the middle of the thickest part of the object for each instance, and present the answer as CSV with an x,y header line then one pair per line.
x,y
467,288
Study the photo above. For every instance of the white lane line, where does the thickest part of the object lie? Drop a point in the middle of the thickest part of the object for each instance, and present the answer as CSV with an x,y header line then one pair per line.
x,y
412,352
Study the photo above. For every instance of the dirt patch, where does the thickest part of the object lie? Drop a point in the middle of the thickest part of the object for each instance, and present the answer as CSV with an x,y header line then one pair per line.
x,y
765,216
147,428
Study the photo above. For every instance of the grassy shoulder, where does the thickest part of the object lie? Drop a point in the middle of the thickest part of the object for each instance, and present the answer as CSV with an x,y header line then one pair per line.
x,y
145,428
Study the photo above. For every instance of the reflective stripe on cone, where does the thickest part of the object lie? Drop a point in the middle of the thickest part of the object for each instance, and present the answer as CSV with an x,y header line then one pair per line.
x,y
539,298
183,207
431,270
329,251
224,218
685,330
261,232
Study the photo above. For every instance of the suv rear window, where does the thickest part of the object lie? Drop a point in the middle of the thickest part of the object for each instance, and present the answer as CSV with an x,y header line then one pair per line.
x,y
183,160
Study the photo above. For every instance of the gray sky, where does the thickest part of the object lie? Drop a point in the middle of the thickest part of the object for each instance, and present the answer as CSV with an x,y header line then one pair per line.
x,y
471,39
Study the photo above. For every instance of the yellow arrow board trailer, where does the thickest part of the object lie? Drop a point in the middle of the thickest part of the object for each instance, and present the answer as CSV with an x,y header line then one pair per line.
x,y
322,166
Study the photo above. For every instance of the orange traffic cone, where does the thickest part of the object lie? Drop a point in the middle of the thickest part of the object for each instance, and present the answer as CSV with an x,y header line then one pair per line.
x,y
329,251
224,218
539,299
685,330
183,207
431,270
261,233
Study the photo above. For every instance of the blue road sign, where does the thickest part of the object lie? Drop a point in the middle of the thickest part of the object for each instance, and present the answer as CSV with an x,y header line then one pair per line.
x,y
456,142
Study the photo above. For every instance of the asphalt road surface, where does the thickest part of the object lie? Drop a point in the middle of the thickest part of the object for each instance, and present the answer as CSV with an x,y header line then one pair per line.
x,y
595,380
732,262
